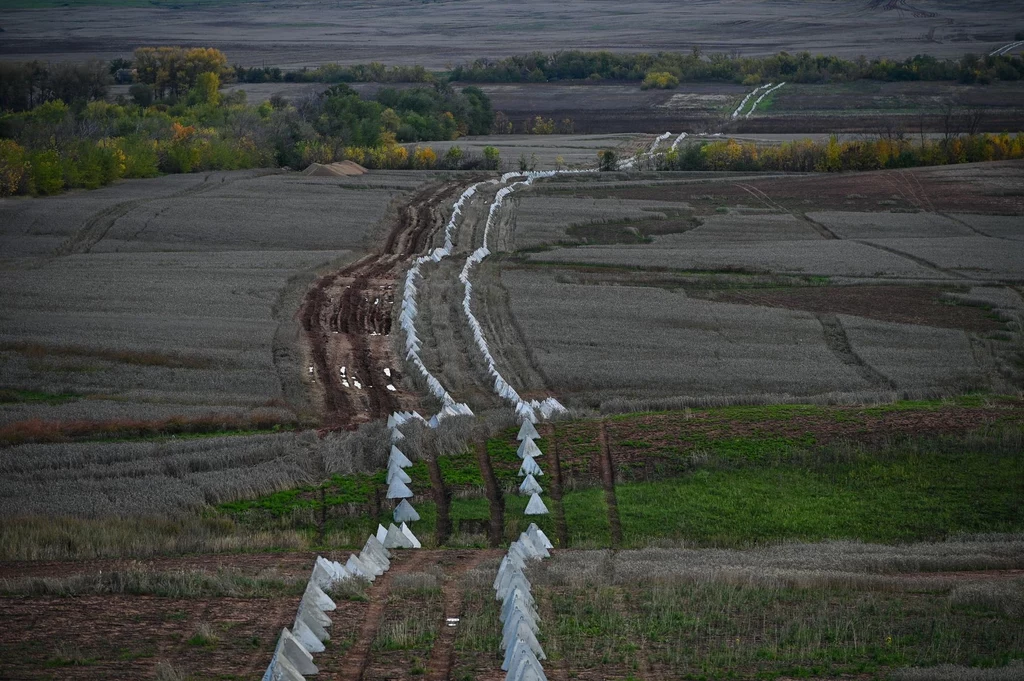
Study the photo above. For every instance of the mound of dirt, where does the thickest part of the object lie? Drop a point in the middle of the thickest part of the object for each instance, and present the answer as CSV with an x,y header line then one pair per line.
x,y
339,169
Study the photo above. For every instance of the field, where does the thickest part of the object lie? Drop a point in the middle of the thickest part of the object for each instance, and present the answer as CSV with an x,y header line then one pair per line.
x,y
171,298
297,33
793,443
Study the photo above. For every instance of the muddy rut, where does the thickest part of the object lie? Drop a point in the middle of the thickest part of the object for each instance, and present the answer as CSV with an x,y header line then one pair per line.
x,y
346,318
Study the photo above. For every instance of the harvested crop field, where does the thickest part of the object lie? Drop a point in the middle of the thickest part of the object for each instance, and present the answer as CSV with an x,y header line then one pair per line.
x,y
174,297
297,33
744,286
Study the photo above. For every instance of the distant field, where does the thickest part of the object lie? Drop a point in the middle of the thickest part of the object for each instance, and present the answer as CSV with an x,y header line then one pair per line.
x,y
295,33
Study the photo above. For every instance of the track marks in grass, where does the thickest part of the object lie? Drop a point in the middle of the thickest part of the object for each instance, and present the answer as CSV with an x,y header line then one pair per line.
x,y
556,487
839,343
608,481
496,502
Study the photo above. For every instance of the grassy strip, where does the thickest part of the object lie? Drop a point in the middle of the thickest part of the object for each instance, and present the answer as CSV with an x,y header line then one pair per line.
x,y
16,396
151,359
166,584
699,629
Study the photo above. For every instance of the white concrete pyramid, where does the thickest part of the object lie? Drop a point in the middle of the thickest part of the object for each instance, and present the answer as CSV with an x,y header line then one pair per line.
x,y
395,539
518,599
281,669
528,669
323,574
536,506
412,537
399,457
306,637
538,546
528,431
398,490
318,598
405,513
538,536
522,634
290,648
396,473
528,448
516,618
517,654
530,486
313,623
381,533
374,546
370,565
530,467
396,435
311,612
356,567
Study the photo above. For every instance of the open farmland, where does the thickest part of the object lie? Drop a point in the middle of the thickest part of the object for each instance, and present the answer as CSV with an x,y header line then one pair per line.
x,y
297,33
172,298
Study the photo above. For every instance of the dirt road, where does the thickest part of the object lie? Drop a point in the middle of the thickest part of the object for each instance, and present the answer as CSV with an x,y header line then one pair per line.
x,y
346,318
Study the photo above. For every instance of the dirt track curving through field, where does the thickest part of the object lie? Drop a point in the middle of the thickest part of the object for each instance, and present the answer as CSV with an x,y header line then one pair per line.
x,y
346,318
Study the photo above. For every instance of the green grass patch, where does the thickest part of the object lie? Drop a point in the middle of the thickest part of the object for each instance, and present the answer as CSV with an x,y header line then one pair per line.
x,y
16,396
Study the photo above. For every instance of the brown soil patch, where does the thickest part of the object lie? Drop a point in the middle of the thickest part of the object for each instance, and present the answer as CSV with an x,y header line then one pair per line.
x,y
901,304
347,318
339,169
285,564
608,480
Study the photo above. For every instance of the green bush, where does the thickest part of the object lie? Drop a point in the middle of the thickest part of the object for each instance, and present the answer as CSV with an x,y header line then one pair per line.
x,y
659,80
47,173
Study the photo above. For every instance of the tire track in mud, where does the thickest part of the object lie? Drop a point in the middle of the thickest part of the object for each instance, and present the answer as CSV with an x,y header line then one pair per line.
x,y
556,490
442,500
495,501
608,480
346,317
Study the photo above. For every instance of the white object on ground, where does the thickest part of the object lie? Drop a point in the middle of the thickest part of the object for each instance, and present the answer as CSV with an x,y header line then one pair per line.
x,y
398,457
763,95
412,537
396,473
538,534
381,533
528,431
750,94
405,513
318,598
398,490
528,448
530,467
395,539
306,637
291,649
530,486
536,506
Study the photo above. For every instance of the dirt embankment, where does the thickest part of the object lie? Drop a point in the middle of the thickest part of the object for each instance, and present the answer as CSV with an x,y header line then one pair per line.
x,y
347,317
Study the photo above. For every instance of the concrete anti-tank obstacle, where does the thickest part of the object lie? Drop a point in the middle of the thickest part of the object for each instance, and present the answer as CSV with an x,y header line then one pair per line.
x,y
517,599
530,486
516,618
356,567
538,536
537,549
382,532
306,637
318,598
309,610
289,648
376,548
530,467
323,575
309,620
524,667
528,448
412,537
370,564
528,431
280,669
521,635
396,539
536,506
405,513
398,490
396,473
398,457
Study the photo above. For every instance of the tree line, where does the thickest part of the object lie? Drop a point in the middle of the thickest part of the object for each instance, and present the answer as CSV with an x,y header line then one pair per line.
x,y
696,66
835,155
180,121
